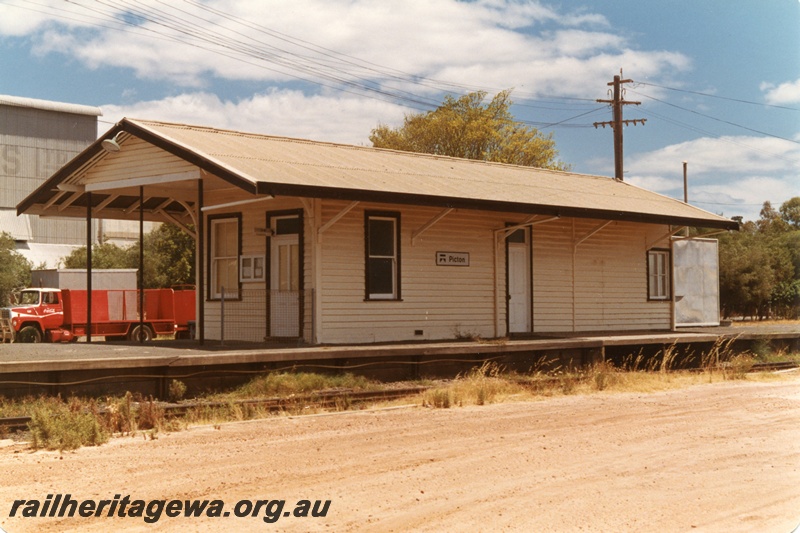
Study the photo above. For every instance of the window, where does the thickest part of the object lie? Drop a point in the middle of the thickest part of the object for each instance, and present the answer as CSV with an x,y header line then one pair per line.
x,y
50,298
251,268
658,282
382,256
224,259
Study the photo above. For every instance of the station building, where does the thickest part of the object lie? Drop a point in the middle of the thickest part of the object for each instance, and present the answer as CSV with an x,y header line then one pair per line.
x,y
330,244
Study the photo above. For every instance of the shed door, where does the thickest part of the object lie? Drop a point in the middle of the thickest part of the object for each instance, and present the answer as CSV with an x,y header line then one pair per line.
x,y
519,282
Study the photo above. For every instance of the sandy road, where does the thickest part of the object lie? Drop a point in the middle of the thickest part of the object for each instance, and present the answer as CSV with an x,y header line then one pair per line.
x,y
721,457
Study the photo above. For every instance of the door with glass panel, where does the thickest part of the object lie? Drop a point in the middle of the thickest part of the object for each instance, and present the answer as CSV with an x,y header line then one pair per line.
x,y
519,281
284,294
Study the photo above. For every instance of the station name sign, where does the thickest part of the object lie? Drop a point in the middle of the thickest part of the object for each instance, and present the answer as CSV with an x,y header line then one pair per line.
x,y
452,259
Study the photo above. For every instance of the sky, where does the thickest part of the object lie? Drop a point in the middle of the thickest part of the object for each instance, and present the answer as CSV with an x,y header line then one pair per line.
x,y
718,81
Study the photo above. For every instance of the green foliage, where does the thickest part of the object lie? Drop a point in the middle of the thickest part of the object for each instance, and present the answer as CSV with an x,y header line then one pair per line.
x,y
171,252
168,257
790,212
58,426
106,255
15,270
288,383
177,389
468,128
760,265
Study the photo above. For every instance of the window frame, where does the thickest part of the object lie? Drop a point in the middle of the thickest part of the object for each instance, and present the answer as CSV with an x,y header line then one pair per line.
x,y
654,282
212,221
248,274
396,294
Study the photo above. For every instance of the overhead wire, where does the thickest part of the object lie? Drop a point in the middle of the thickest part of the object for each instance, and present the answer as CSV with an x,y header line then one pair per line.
x,y
699,93
316,64
291,64
725,139
714,118
209,41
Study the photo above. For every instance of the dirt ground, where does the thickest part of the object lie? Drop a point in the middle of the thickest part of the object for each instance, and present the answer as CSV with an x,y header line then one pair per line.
x,y
713,457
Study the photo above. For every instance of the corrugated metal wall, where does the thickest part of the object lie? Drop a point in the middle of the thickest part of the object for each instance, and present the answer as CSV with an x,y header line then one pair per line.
x,y
34,143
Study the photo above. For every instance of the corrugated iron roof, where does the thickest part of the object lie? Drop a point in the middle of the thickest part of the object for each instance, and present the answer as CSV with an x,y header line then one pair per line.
x,y
285,166
47,105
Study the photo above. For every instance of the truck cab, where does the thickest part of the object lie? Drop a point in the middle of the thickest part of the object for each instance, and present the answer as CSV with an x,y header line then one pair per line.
x,y
35,311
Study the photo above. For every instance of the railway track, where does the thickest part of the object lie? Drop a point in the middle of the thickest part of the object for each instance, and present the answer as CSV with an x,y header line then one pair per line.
x,y
324,399
766,367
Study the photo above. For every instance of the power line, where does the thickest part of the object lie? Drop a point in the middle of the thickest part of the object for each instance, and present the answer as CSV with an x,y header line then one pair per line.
x,y
716,136
120,17
716,119
718,97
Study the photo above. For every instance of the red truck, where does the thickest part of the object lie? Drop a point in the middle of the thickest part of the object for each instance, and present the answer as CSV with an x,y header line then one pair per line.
x,y
59,315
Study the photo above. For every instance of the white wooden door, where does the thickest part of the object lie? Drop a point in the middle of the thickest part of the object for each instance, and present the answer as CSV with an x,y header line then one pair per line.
x,y
285,286
519,288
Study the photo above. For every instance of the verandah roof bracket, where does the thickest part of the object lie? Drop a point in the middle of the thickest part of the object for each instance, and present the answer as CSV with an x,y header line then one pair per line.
x,y
322,229
591,233
670,233
178,223
702,235
105,203
428,225
69,201
508,230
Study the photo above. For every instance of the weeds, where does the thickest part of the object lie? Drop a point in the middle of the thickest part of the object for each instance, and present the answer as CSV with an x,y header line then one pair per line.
x,y
287,383
66,425
440,398
177,389
60,426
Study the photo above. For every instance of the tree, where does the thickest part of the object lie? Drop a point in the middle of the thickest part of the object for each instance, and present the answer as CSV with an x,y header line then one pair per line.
x,y
168,257
106,255
171,253
790,212
15,270
771,220
760,265
468,128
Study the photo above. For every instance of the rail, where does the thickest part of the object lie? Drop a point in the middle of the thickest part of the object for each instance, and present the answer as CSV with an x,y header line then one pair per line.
x,y
321,399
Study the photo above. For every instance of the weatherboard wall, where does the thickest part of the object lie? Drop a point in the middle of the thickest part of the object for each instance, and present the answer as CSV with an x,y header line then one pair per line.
x,y
600,284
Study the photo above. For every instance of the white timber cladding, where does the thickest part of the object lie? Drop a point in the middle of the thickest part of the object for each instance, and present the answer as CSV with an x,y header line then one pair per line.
x,y
600,284
610,270
439,302
138,159
246,317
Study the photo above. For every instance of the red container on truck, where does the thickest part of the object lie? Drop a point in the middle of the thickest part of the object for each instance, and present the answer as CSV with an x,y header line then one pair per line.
x,y
60,315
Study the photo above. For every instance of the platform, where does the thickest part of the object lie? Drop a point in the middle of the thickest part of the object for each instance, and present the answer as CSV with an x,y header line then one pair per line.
x,y
105,367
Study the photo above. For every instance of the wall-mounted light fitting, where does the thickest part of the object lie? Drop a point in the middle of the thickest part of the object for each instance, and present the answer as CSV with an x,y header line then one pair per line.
x,y
111,145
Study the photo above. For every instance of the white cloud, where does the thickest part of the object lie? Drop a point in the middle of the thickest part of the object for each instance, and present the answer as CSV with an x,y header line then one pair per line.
x,y
730,175
660,184
279,112
727,154
477,43
785,93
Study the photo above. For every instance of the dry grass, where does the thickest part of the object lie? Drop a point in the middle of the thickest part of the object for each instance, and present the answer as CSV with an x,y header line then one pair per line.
x,y
59,424
637,373
749,323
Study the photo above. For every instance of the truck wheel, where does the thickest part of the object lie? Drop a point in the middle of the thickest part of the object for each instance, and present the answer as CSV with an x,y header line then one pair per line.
x,y
139,333
29,334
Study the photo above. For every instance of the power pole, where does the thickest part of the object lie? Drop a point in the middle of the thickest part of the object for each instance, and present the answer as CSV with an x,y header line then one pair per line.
x,y
617,102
